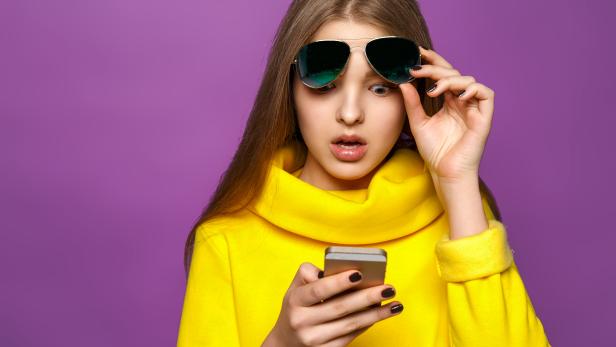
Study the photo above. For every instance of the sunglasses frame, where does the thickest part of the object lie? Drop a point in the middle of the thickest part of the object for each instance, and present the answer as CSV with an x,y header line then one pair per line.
x,y
412,78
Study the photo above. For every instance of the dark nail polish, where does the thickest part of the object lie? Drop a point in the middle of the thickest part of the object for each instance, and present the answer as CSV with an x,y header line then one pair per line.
x,y
388,293
321,274
355,277
416,67
396,308
432,88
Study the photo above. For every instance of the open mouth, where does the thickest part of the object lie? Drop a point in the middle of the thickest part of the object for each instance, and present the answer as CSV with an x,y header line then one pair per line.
x,y
345,144
349,140
348,147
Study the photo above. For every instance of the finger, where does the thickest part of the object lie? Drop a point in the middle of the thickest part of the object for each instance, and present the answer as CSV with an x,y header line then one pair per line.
x,y
346,304
433,58
414,109
346,339
335,329
478,91
315,292
434,72
307,273
455,84
483,94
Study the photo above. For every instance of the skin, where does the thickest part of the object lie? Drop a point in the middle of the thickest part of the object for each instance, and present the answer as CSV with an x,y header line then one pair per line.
x,y
451,142
358,102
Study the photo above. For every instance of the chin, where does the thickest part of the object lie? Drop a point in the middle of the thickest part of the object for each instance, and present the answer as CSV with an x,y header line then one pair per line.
x,y
350,171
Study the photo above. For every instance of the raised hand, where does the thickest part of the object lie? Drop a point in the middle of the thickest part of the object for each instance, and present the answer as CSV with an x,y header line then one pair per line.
x,y
452,141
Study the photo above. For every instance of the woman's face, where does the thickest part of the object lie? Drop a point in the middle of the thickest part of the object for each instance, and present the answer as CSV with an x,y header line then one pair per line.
x,y
359,102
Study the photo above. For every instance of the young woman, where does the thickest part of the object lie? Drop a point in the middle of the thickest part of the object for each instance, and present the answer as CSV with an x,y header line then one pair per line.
x,y
349,145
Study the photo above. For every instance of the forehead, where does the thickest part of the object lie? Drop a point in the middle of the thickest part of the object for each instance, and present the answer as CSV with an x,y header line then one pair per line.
x,y
354,33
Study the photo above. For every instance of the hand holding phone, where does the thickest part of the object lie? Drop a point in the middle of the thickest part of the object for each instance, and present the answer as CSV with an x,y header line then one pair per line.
x,y
314,309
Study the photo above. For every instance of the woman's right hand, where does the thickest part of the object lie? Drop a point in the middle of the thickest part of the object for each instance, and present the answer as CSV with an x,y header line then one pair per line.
x,y
306,320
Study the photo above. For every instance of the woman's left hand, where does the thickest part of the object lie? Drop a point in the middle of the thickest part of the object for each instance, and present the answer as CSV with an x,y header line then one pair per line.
x,y
452,141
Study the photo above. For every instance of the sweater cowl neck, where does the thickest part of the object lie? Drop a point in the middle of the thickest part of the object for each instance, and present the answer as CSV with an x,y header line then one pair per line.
x,y
399,200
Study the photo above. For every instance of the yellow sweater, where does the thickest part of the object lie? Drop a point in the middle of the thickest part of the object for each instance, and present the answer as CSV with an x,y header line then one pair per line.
x,y
463,292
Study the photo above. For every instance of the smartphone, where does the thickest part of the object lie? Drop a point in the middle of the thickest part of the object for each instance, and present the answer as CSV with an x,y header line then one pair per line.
x,y
371,262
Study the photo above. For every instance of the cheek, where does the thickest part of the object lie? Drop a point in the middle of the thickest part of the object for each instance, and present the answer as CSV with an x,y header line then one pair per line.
x,y
310,117
312,113
387,117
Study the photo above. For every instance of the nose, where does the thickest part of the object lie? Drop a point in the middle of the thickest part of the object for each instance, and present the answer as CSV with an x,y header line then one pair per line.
x,y
351,110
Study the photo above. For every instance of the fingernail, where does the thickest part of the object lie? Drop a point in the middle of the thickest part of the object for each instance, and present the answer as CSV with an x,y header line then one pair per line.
x,y
388,293
432,88
416,67
321,274
355,277
397,308
461,94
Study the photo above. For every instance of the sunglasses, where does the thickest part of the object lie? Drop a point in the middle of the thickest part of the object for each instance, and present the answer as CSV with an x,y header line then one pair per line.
x,y
321,62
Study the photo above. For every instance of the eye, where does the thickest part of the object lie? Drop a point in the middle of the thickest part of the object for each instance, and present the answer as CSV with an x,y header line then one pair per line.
x,y
383,89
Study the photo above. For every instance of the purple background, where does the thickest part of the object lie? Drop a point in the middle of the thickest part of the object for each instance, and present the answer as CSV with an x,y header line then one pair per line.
x,y
118,116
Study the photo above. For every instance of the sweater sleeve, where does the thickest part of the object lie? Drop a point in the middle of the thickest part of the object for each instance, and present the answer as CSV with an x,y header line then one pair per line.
x,y
487,302
208,314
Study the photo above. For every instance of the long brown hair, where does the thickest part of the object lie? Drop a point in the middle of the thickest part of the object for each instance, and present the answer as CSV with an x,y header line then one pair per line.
x,y
272,122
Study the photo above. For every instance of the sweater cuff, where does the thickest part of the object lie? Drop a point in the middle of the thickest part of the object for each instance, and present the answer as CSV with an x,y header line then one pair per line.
x,y
475,256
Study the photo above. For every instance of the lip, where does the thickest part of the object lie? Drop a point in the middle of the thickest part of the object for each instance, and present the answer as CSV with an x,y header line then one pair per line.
x,y
349,138
348,154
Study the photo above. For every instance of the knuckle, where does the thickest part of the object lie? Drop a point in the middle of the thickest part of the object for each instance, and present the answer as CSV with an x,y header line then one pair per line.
x,y
306,338
294,302
304,267
315,293
289,298
295,321
340,309
471,79
352,325
375,295
456,72
383,312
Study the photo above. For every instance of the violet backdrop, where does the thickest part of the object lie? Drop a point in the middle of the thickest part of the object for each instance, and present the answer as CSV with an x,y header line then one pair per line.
x,y
119,116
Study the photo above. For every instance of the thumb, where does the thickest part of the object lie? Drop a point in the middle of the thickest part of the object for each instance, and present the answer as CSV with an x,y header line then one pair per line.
x,y
307,273
414,108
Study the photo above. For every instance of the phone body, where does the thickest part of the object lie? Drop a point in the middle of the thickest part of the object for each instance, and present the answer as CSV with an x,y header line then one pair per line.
x,y
371,262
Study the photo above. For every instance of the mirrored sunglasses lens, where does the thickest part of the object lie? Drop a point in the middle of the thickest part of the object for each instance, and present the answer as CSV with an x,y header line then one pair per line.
x,y
393,57
319,63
